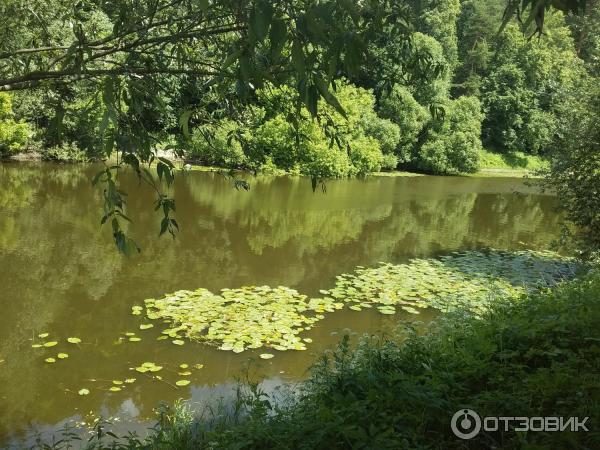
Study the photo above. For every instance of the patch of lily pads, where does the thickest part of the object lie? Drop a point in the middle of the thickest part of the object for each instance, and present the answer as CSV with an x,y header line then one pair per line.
x,y
254,317
240,319
465,279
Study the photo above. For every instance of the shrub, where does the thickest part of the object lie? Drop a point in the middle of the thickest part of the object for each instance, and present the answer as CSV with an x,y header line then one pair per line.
x,y
365,156
13,135
453,143
276,139
309,150
384,131
389,162
65,152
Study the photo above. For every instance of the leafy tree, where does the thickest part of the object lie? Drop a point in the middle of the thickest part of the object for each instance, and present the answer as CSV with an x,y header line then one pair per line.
x,y
520,81
586,32
575,171
452,144
402,109
13,135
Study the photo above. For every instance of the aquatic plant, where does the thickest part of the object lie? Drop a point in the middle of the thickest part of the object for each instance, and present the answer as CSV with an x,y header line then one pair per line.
x,y
465,279
239,319
253,317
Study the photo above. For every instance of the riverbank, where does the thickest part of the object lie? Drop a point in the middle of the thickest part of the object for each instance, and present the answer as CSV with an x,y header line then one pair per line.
x,y
536,356
493,165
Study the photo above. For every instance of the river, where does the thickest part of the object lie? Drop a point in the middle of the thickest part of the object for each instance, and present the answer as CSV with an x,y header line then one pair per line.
x,y
60,272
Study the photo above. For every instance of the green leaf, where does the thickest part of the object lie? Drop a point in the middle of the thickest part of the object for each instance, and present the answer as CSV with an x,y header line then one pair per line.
x,y
298,58
73,340
83,391
182,382
328,96
202,4
278,38
260,19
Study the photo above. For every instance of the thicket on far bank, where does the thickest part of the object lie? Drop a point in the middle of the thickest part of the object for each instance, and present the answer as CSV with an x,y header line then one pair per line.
x,y
464,87
534,356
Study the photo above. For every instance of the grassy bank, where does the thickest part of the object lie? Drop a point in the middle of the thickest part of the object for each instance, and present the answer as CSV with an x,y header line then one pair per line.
x,y
515,161
535,356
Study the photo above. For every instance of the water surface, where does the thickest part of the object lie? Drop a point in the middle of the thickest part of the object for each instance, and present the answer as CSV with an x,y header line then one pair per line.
x,y
60,272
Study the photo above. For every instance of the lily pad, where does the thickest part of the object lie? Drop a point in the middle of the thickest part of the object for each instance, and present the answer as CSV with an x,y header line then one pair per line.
x,y
239,319
114,389
73,340
266,355
146,326
62,355
178,342
182,382
135,339
50,360
83,391
43,335
50,344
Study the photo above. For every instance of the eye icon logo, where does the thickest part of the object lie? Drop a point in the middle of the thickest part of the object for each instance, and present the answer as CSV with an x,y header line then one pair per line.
x,y
466,423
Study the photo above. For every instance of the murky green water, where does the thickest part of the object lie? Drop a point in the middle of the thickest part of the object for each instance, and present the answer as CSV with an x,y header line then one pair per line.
x,y
60,272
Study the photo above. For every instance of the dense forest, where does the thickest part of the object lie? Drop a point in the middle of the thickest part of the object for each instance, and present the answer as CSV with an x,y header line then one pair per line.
x,y
429,99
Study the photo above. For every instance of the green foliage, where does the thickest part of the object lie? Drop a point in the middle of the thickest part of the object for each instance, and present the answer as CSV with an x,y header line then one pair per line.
x,y
586,33
13,135
520,82
280,137
217,145
436,88
365,155
402,109
384,131
574,172
438,19
65,152
452,144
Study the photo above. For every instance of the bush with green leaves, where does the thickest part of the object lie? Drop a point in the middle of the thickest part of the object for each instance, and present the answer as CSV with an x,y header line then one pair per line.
x,y
384,131
13,135
452,143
